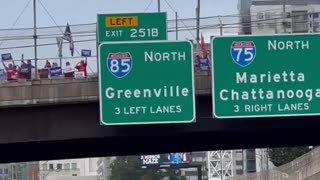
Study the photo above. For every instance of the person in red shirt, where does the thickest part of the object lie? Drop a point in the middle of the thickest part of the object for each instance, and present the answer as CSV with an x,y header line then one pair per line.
x,y
82,67
22,69
11,71
21,75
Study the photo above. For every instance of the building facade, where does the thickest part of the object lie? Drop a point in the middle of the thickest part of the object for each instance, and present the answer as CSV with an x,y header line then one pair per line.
x,y
198,159
72,178
19,171
244,17
278,16
5,172
103,167
284,16
251,161
68,168
263,162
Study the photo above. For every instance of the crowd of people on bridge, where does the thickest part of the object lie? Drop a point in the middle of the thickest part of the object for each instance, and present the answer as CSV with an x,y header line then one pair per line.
x,y
27,71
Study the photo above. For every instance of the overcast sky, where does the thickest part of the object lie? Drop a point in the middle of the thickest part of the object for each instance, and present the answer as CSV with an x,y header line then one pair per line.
x,y
85,11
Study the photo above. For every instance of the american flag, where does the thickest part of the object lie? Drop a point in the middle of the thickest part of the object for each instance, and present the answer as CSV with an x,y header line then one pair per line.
x,y
68,37
203,45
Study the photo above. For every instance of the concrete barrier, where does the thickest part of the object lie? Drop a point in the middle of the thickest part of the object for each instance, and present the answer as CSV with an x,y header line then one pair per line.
x,y
39,92
305,167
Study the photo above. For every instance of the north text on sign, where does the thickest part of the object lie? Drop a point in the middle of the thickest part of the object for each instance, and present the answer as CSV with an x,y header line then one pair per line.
x,y
164,56
287,45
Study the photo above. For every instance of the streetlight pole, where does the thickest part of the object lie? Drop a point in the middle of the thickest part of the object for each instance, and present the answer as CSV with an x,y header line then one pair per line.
x,y
198,23
35,36
221,164
284,16
177,33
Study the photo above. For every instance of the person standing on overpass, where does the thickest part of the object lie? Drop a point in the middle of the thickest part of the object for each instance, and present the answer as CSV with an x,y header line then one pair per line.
x,y
11,71
82,67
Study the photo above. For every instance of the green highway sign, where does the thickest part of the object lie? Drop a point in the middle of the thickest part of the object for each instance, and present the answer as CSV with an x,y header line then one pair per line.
x,y
146,82
266,76
132,27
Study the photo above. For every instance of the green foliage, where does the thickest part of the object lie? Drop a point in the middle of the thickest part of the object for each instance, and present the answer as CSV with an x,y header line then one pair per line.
x,y
129,168
281,156
173,174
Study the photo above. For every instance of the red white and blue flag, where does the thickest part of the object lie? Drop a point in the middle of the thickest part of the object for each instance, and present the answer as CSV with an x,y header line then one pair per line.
x,y
68,37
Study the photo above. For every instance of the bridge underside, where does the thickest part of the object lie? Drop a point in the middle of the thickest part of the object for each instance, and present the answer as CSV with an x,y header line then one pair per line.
x,y
73,131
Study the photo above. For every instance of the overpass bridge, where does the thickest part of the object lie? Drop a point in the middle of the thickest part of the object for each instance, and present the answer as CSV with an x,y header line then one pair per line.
x,y
56,119
61,91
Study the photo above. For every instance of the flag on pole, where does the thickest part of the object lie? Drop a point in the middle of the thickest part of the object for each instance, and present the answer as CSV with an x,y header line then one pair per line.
x,y
204,51
203,46
59,43
68,37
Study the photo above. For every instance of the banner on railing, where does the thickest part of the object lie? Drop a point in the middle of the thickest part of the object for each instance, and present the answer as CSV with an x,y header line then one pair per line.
x,y
55,72
25,70
204,64
85,53
6,57
79,75
2,75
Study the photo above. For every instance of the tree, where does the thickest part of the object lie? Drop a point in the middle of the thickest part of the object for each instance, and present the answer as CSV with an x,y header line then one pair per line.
x,y
281,156
129,167
173,174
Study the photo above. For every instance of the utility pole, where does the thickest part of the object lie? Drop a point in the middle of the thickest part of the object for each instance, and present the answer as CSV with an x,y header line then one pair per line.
x,y
159,5
284,16
199,169
221,26
243,169
221,165
198,24
177,33
35,36
267,163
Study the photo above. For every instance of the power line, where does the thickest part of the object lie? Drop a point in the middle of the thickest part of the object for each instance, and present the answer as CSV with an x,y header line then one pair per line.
x,y
148,6
183,28
51,58
16,21
170,20
91,33
51,17
56,24
47,44
178,17
48,27
94,24
278,9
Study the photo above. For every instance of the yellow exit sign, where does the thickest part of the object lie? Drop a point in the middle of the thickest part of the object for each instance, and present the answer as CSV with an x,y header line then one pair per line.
x,y
121,21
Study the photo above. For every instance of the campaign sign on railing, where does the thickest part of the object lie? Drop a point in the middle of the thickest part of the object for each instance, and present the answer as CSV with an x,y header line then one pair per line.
x,y
2,75
6,57
79,75
25,70
204,64
85,53
55,72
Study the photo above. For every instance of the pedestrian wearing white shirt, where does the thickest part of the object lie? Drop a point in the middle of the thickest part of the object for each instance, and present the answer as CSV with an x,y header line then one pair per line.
x,y
68,71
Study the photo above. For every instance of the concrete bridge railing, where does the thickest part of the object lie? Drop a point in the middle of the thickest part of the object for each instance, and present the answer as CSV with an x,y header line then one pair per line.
x,y
47,91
